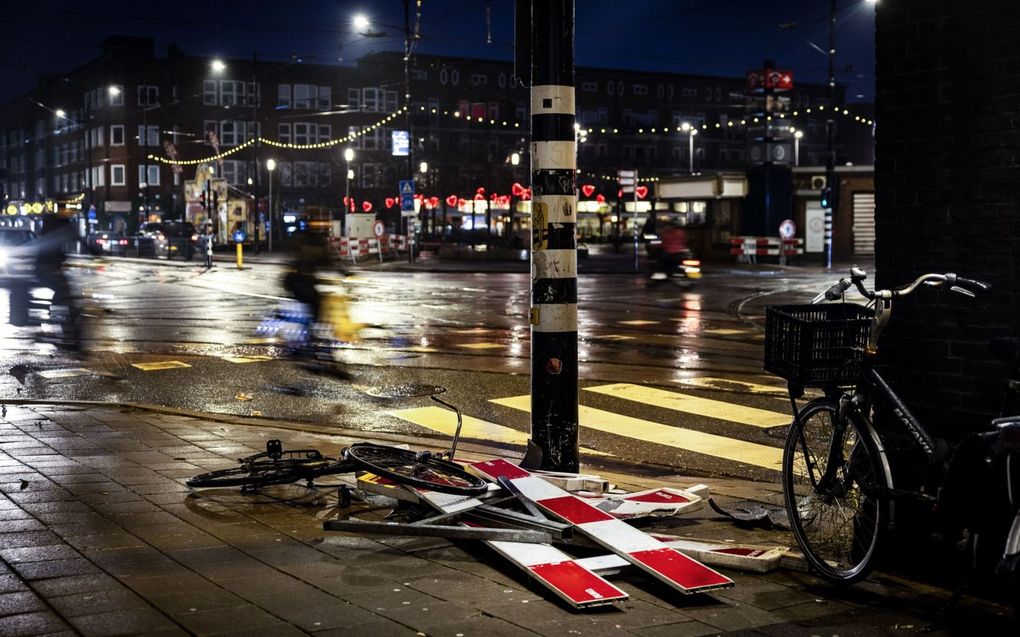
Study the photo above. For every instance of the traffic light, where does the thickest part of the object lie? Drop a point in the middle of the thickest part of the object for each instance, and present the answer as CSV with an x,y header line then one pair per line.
x,y
826,197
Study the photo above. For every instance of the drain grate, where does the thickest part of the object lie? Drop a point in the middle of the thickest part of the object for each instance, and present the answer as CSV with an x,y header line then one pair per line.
x,y
404,391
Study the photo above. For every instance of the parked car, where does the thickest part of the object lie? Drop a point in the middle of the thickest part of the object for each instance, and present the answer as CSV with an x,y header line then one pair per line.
x,y
109,243
17,255
167,239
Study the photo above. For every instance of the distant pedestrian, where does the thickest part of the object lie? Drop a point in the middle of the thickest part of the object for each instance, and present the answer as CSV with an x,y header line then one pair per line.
x,y
208,239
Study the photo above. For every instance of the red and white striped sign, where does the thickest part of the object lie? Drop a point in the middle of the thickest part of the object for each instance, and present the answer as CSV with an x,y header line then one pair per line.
x,y
637,547
554,569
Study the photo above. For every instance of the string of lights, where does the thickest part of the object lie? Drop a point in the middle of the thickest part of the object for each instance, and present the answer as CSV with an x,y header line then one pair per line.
x,y
584,133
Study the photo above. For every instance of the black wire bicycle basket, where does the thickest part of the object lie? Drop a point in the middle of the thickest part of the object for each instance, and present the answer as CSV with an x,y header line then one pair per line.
x,y
816,345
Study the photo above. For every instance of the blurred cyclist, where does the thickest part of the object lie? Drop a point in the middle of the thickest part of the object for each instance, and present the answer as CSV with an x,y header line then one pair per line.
x,y
55,234
674,247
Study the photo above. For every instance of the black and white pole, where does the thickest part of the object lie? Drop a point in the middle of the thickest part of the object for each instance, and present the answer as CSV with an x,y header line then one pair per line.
x,y
554,427
830,124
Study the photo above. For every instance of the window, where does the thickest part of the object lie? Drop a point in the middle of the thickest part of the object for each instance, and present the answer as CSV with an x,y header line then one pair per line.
x,y
98,176
589,87
391,101
117,175
231,92
325,132
96,137
640,89
209,92
354,96
283,96
254,94
370,98
116,135
325,99
116,93
283,133
419,74
303,95
303,133
234,171
479,79
148,175
148,95
148,135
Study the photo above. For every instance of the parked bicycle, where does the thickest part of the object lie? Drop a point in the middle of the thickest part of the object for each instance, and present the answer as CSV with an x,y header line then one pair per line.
x,y
421,469
838,477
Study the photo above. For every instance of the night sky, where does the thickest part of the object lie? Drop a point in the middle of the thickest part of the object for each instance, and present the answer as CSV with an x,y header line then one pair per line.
x,y
711,37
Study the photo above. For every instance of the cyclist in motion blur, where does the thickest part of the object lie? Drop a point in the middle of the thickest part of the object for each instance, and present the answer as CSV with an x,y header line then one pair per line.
x,y
325,323
55,234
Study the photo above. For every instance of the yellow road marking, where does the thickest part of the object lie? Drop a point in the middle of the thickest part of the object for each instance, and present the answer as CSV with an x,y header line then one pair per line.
x,y
614,337
481,345
150,367
444,421
246,359
723,331
638,322
648,431
741,385
693,405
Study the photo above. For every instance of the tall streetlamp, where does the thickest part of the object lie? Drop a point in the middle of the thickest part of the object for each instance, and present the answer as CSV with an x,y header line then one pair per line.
x,y
423,170
797,134
270,166
348,157
691,132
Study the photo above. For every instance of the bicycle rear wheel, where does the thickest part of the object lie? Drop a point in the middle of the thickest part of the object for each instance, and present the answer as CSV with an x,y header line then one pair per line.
x,y
268,472
415,469
839,526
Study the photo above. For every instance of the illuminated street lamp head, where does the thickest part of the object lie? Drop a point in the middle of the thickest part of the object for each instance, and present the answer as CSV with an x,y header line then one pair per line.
x,y
694,131
349,154
60,113
423,167
270,165
113,90
515,159
798,134
218,66
361,22
686,126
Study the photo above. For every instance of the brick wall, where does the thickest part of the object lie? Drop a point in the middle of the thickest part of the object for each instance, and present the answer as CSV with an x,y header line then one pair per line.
x,y
948,195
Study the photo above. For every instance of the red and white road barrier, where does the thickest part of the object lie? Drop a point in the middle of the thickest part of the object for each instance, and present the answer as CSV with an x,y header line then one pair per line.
x,y
353,248
748,249
635,546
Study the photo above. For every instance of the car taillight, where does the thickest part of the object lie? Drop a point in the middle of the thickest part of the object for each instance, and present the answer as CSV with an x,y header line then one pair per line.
x,y
123,242
194,237
691,263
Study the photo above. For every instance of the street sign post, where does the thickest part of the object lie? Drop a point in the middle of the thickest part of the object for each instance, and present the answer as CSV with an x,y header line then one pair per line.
x,y
406,197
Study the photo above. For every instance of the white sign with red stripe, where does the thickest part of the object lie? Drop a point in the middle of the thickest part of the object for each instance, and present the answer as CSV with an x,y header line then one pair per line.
x,y
745,557
554,569
662,501
637,547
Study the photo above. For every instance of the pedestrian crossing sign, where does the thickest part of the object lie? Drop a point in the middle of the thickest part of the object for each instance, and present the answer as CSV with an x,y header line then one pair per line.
x,y
406,195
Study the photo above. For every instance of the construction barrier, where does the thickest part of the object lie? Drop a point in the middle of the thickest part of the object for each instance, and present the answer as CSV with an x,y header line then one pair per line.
x,y
353,248
748,249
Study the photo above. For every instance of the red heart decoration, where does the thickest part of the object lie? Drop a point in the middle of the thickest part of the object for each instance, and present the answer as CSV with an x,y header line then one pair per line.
x,y
480,191
347,202
587,189
461,203
600,199
619,193
641,191
504,200
366,206
517,189
434,202
390,202
479,196
526,194
451,200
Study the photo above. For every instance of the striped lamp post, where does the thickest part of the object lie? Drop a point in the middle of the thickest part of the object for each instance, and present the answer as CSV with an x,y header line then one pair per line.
x,y
554,426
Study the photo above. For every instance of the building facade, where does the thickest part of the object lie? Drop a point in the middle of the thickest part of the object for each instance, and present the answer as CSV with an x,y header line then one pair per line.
x,y
118,138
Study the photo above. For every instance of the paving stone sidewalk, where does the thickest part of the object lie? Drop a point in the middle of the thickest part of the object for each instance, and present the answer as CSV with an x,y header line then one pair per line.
x,y
100,536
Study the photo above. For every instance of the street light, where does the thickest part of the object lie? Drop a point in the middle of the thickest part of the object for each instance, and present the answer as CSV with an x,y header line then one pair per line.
x,y
797,134
348,157
218,66
113,90
691,132
270,166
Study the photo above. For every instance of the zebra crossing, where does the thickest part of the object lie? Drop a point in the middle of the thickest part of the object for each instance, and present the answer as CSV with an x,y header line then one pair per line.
x,y
677,436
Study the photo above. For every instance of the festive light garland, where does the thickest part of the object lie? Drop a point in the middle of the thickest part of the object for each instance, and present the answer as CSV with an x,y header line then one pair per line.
x,y
271,142
583,133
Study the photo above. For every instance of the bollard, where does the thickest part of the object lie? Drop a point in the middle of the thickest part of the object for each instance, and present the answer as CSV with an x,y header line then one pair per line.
x,y
238,255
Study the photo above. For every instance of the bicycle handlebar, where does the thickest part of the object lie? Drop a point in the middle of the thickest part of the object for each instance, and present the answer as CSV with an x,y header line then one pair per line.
x,y
958,284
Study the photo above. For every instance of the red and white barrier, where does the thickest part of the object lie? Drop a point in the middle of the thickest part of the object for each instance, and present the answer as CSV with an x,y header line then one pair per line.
x,y
747,249
353,248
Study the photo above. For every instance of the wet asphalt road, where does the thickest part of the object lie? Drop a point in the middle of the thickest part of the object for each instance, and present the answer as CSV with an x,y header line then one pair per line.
x,y
465,332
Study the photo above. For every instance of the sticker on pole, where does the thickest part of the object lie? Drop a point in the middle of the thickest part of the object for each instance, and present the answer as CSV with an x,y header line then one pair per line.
x,y
787,228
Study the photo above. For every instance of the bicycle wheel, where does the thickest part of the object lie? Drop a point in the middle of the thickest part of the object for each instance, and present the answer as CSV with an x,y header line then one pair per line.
x,y
838,525
268,472
415,469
